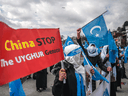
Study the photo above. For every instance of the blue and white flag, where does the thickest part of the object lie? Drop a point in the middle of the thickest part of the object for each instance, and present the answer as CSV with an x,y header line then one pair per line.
x,y
16,89
97,75
85,45
103,89
113,51
96,32
68,42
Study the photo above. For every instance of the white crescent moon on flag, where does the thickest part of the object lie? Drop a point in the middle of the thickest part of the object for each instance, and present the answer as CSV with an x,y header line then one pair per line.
x,y
94,28
68,42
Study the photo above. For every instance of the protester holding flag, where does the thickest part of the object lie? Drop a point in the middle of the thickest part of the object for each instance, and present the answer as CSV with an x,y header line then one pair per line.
x,y
113,58
94,57
105,58
73,72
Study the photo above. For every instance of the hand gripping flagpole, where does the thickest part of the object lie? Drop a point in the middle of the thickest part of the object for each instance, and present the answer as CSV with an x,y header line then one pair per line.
x,y
62,66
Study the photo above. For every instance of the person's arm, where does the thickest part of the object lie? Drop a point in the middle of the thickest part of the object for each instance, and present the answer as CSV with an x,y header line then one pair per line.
x,y
79,40
101,65
78,33
58,83
78,37
106,59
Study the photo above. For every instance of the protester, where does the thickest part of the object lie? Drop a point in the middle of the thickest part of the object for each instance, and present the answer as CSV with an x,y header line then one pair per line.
x,y
93,55
105,59
113,87
123,73
73,68
41,80
118,69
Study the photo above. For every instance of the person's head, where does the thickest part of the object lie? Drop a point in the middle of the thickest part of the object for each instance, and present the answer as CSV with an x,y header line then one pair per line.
x,y
92,50
93,45
70,48
73,54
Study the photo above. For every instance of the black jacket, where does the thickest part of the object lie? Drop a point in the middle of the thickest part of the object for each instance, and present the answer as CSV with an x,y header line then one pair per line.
x,y
68,89
94,60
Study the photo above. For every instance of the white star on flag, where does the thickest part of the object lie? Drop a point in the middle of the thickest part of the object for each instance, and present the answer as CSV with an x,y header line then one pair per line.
x,y
97,35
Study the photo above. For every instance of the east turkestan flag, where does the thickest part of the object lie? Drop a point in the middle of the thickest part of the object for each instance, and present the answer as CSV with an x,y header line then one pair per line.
x,y
96,32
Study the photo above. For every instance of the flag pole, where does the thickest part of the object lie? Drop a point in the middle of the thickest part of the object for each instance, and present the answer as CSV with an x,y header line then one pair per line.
x,y
95,18
62,66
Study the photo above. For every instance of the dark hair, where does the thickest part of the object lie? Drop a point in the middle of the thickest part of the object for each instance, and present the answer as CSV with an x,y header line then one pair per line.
x,y
92,44
107,50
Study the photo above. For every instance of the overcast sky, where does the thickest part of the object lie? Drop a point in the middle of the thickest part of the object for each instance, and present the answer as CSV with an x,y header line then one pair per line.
x,y
68,15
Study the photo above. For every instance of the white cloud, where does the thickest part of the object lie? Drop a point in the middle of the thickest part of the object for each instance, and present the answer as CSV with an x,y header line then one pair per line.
x,y
68,15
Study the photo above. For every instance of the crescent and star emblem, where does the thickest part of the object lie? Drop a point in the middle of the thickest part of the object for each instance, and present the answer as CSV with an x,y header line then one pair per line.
x,y
68,42
97,35
10,90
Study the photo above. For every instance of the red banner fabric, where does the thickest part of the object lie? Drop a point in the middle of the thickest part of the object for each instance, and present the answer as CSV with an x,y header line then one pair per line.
x,y
26,51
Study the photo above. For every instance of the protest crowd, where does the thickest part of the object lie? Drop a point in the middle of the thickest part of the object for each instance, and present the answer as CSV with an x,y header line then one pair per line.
x,y
115,70
84,63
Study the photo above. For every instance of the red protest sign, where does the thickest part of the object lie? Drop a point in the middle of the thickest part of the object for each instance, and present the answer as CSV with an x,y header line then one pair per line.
x,y
26,51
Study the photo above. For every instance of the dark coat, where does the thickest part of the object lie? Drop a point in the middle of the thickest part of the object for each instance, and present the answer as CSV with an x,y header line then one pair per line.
x,y
41,79
68,89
